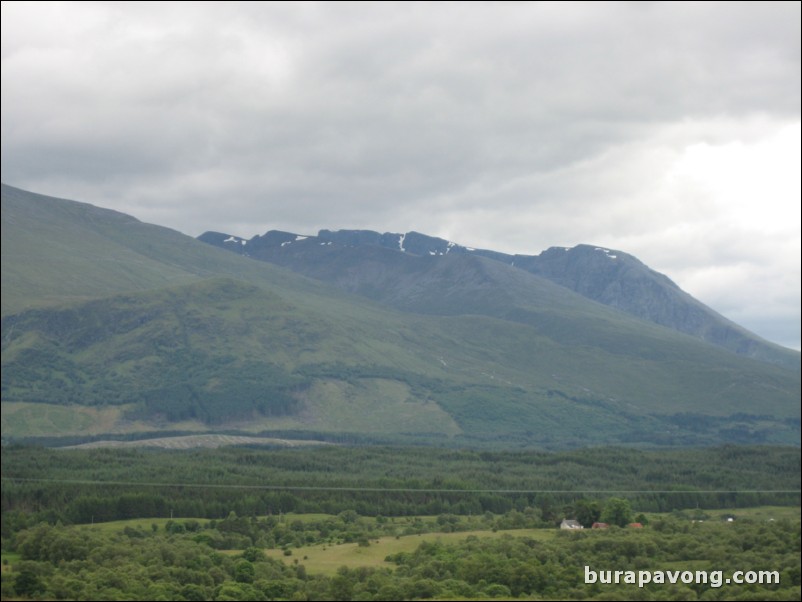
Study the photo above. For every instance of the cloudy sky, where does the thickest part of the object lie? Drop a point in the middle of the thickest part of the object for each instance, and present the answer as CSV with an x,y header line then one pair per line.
x,y
667,130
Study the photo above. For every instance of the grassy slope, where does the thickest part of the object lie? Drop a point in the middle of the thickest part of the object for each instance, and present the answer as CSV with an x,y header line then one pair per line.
x,y
42,264
57,250
562,370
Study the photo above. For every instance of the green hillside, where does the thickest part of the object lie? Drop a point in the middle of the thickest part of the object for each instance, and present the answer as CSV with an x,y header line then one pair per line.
x,y
155,331
57,250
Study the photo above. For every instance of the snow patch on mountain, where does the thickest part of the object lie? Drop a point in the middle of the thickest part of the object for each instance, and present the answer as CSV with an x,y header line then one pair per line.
x,y
606,252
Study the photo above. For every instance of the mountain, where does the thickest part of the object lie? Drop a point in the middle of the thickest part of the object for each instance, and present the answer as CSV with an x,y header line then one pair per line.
x,y
351,259
115,327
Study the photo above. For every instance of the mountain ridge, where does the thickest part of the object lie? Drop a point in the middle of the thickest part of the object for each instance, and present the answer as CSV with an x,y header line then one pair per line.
x,y
611,277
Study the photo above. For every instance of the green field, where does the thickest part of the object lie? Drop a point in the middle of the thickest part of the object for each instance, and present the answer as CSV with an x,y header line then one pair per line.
x,y
327,559
9,559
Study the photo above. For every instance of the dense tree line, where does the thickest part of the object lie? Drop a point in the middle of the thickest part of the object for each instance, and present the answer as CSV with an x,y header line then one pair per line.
x,y
80,486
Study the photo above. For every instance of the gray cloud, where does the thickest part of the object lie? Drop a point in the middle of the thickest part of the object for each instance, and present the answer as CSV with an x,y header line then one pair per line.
x,y
508,125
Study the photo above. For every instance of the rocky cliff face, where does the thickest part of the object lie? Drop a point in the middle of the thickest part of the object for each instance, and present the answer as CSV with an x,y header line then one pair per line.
x,y
622,281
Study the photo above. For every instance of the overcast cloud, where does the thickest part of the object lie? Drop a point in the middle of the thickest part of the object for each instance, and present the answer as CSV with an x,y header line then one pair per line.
x,y
667,130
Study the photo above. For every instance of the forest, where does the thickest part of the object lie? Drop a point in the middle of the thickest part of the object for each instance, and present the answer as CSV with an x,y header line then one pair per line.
x,y
251,523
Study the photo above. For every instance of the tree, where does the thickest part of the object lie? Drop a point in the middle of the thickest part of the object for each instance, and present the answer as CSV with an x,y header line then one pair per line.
x,y
237,591
253,554
27,583
617,511
587,512
341,586
244,572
